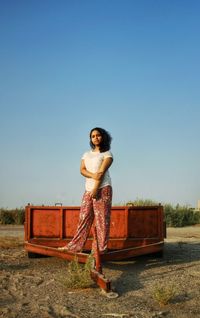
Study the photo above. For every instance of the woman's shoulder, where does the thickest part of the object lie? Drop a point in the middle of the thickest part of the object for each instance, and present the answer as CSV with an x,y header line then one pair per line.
x,y
86,154
107,154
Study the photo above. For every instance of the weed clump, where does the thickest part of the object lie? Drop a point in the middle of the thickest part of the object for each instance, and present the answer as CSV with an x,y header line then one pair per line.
x,y
163,293
78,275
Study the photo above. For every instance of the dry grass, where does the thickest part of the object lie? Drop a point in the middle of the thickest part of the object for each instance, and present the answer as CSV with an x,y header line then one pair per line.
x,y
77,275
163,293
11,242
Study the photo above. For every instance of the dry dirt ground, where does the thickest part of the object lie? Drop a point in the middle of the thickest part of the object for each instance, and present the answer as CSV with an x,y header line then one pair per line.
x,y
32,287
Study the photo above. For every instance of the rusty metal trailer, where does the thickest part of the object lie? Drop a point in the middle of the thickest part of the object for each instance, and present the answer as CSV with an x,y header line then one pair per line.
x,y
134,230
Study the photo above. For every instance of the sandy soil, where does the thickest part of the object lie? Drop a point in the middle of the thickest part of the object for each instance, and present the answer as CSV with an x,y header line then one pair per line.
x,y
32,287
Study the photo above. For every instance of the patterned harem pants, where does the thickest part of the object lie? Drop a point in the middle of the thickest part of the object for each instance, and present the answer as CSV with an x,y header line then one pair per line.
x,y
99,209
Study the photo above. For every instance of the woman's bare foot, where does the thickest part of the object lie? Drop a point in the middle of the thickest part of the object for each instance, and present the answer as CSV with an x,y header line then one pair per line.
x,y
63,248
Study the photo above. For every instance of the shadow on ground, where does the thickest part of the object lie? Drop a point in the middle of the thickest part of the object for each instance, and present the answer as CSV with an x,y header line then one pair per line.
x,y
178,253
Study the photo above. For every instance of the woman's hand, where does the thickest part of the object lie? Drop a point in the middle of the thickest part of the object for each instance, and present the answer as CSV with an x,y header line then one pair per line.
x,y
97,176
94,193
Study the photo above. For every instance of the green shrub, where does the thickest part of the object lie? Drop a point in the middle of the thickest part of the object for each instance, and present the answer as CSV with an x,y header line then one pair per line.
x,y
197,217
6,217
142,202
175,216
16,216
180,216
19,216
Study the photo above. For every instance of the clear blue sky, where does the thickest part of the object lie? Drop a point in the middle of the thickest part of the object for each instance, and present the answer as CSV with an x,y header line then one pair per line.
x,y
131,67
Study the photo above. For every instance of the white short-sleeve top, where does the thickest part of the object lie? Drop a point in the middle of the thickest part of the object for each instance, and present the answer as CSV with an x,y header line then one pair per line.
x,y
93,160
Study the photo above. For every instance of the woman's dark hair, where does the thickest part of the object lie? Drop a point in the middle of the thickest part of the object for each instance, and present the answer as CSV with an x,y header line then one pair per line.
x,y
106,139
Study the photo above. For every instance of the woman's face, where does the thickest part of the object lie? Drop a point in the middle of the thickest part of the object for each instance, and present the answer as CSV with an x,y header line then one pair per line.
x,y
96,138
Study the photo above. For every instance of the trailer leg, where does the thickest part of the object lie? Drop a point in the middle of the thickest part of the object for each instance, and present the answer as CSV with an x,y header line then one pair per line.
x,y
97,273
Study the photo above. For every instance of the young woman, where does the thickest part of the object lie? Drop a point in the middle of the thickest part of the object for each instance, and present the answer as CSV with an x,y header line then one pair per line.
x,y
97,199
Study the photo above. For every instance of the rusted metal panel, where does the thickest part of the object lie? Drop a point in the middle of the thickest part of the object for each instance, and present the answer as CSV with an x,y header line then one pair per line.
x,y
45,222
118,223
70,221
143,223
130,226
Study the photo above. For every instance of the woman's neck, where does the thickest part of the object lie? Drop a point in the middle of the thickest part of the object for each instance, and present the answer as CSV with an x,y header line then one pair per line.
x,y
96,149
